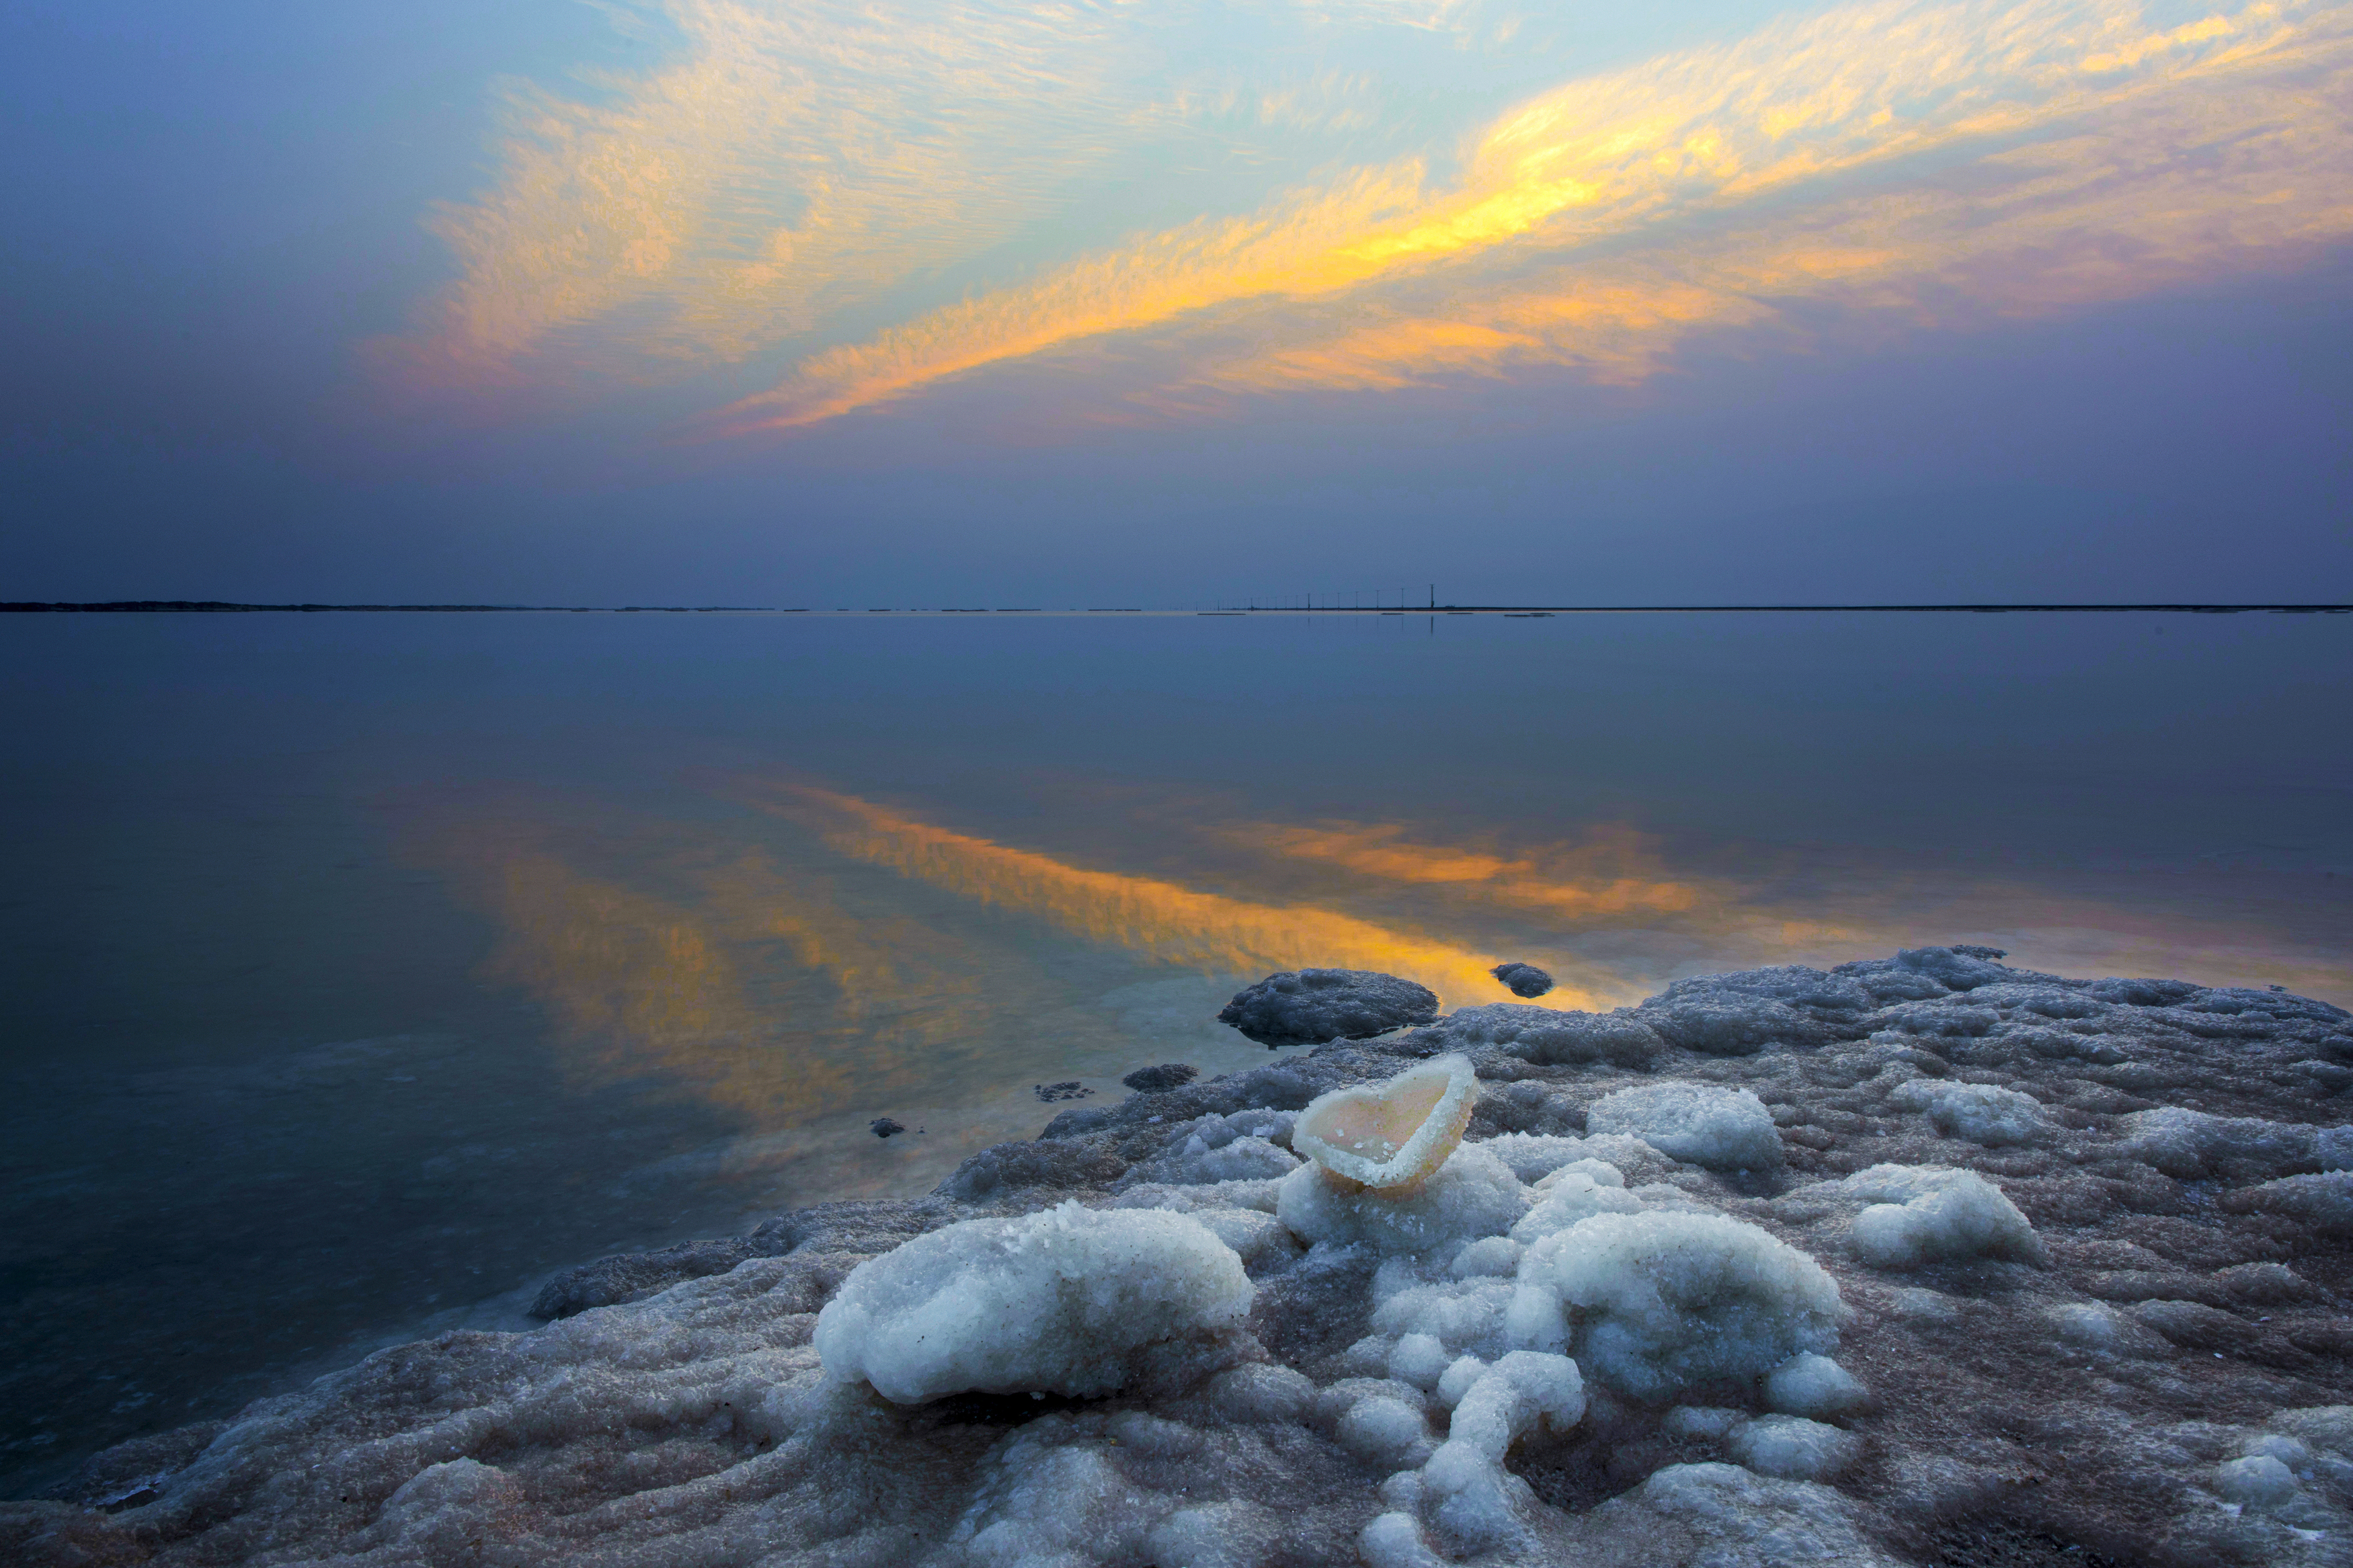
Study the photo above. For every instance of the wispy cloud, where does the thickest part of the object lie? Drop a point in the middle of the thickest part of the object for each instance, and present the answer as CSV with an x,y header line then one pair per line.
x,y
2165,192
1879,150
789,161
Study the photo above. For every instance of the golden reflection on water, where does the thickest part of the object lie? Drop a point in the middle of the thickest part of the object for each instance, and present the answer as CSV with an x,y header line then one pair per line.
x,y
1614,870
635,984
1162,921
781,981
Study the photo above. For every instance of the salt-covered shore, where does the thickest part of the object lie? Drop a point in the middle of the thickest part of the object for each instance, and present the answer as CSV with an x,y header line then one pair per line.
x,y
1919,1261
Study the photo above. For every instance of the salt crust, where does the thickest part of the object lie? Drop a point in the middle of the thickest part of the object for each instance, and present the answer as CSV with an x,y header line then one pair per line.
x,y
2135,1307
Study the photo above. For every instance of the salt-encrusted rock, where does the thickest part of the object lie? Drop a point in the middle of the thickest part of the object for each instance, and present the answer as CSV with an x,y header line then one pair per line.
x,y
1311,1005
1548,1037
1474,1195
1071,1301
1161,1078
1524,979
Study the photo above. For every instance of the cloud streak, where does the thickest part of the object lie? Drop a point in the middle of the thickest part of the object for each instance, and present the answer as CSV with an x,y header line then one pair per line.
x,y
1876,153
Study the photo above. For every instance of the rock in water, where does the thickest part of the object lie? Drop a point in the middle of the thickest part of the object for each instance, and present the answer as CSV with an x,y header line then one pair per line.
x,y
1309,1006
1524,979
883,1127
1160,1080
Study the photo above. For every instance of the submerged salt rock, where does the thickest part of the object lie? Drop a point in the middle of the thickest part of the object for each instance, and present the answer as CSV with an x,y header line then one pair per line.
x,y
1392,1137
1070,1300
1313,1006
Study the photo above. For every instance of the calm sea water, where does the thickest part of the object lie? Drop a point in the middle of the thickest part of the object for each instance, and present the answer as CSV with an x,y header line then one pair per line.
x,y
360,971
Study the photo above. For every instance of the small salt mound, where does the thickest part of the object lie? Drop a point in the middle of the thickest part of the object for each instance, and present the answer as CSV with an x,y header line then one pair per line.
x,y
1070,1300
1722,1128
2323,1202
1461,1315
1792,1448
1650,1303
1533,1156
1814,1386
2190,1144
1976,1112
1391,1137
1474,1195
1929,1214
1746,1520
1571,1196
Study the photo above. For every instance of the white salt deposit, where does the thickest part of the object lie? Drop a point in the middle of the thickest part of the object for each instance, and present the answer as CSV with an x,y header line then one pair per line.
x,y
1071,1301
1722,1128
1474,1195
1920,1214
1651,1303
1793,1449
1977,1112
1815,1386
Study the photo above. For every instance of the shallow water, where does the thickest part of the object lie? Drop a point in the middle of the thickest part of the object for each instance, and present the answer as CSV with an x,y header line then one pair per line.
x,y
361,970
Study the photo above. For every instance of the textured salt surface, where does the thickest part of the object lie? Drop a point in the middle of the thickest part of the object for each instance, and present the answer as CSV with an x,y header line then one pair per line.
x,y
1923,1260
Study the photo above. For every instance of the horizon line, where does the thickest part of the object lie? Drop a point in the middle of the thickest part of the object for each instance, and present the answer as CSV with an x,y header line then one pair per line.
x,y
219,607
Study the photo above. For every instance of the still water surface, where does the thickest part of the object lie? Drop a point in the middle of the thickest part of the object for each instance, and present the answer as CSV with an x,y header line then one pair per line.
x,y
363,970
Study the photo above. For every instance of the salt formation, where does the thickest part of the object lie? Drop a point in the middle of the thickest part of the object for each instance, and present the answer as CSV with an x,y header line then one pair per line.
x,y
1393,1137
1068,1301
1317,1005
1917,1261
1722,1128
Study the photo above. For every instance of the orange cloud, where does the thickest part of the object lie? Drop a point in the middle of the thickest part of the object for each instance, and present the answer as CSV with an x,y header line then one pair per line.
x,y
1636,158
2161,192
787,162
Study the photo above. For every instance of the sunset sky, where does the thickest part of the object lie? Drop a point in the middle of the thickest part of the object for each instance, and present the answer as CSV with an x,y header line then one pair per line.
x,y
1164,301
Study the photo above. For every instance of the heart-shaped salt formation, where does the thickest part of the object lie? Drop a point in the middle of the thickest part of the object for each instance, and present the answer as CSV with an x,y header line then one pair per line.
x,y
1393,1137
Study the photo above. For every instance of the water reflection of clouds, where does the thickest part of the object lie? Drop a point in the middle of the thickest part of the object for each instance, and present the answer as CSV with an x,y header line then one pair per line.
x,y
1160,920
782,980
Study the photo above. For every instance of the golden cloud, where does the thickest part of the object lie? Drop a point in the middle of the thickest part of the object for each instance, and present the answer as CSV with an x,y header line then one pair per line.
x,y
2075,123
791,162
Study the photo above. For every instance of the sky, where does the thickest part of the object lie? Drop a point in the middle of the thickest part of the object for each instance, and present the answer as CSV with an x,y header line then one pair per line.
x,y
1174,301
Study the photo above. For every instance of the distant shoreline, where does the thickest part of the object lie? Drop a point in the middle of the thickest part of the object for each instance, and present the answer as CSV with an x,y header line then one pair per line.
x,y
215,606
